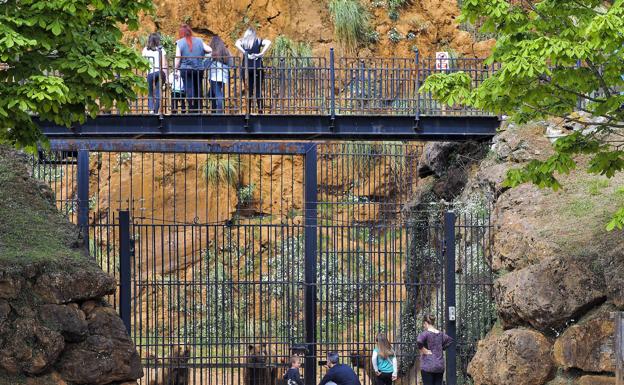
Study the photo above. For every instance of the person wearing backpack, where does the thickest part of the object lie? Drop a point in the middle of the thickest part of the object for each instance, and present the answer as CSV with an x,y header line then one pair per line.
x,y
190,54
253,49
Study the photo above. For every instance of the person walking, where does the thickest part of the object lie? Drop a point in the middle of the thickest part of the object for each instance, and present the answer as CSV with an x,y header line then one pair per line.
x,y
384,361
190,54
157,58
431,344
219,73
338,374
253,49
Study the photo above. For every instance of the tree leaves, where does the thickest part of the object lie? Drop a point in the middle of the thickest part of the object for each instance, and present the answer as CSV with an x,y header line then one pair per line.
x,y
556,57
65,60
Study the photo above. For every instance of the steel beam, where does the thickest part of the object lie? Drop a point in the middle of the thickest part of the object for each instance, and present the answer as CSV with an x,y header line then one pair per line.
x,y
281,127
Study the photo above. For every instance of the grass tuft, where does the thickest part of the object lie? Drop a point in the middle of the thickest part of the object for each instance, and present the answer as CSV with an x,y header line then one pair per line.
x,y
221,169
351,22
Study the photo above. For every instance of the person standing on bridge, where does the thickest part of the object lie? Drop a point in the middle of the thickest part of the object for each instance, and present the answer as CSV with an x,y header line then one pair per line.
x,y
219,73
432,344
253,50
157,58
190,54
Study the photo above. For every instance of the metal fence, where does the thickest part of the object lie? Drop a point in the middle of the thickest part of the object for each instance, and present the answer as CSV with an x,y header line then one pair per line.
x,y
232,256
304,86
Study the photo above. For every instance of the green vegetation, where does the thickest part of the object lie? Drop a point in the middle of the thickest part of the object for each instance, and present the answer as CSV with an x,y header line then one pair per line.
x,y
351,22
66,61
395,36
555,57
221,169
394,6
246,194
31,229
285,47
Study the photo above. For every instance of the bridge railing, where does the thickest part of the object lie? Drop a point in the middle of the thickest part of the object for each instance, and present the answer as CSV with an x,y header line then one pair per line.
x,y
308,86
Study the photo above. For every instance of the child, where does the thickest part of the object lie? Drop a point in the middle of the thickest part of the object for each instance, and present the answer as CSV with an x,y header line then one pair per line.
x,y
177,91
384,361
292,376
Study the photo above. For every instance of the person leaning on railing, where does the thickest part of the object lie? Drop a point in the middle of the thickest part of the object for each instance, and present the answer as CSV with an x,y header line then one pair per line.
x,y
157,57
190,53
253,50
219,73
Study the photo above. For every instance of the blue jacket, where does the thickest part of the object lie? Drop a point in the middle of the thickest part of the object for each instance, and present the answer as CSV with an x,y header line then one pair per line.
x,y
342,375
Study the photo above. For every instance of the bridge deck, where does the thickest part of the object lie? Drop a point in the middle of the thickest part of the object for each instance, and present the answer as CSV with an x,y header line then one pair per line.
x,y
306,98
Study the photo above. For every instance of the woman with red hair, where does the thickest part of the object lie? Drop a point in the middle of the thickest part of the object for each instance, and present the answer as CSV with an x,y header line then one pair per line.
x,y
190,53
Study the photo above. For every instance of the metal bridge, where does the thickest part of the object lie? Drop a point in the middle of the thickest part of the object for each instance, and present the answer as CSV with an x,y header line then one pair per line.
x,y
305,99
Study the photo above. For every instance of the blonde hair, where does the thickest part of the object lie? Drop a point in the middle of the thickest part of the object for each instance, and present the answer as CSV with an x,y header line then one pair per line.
x,y
383,346
295,358
249,37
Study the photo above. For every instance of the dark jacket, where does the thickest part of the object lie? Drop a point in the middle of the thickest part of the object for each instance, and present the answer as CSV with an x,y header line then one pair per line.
x,y
292,377
341,375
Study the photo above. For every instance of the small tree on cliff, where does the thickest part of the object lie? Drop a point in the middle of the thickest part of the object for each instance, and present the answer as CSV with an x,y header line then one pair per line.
x,y
64,60
557,56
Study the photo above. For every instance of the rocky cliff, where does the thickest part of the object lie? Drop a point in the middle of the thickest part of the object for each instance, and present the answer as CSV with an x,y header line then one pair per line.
x,y
55,327
560,273
429,25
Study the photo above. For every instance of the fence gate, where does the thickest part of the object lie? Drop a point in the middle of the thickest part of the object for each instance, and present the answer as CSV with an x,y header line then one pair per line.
x,y
231,257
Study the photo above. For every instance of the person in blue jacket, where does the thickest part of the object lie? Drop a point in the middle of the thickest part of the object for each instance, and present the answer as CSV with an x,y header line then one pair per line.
x,y
338,374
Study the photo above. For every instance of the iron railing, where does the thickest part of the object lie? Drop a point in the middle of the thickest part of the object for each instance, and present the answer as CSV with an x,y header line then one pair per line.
x,y
307,86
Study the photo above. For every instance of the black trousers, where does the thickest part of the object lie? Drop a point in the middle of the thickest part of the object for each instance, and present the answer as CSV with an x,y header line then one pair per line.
x,y
384,379
432,378
255,83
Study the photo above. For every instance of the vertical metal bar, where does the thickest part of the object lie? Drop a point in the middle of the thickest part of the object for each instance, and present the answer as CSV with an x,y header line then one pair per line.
x,y
451,352
311,192
579,102
332,85
619,348
83,194
417,60
124,268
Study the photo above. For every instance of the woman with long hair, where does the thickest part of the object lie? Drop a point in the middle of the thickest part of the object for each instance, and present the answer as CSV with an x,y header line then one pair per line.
x,y
157,58
253,49
190,53
432,343
219,73
384,361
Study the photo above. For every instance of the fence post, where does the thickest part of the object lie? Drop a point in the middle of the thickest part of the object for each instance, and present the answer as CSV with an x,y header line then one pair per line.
x,y
83,195
332,88
417,62
247,91
310,261
579,101
449,290
125,254
619,347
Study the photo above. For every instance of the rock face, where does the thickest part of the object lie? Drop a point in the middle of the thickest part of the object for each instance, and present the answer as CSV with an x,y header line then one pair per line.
x,y
55,327
517,356
588,346
560,273
53,337
547,295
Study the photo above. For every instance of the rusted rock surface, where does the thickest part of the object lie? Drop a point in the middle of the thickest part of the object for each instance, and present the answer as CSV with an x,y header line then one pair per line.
x,y
547,295
588,346
517,356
